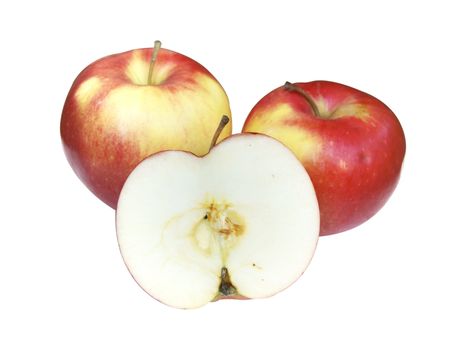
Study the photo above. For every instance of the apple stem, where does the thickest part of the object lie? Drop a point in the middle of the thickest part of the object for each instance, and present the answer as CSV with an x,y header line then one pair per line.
x,y
292,87
224,120
156,48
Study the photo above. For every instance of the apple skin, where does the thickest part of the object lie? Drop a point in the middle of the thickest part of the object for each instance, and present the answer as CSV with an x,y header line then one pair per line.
x,y
112,119
353,151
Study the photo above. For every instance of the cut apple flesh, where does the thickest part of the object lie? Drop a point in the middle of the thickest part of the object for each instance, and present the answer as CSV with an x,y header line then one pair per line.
x,y
241,221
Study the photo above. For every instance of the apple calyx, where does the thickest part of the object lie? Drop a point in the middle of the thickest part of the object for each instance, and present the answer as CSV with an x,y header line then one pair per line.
x,y
292,87
226,288
156,49
223,122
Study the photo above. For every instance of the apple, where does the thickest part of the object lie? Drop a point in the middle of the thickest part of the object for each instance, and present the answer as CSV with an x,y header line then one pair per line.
x,y
351,144
240,222
127,106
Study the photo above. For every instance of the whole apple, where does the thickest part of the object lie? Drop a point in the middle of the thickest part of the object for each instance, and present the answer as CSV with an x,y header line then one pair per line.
x,y
127,106
351,144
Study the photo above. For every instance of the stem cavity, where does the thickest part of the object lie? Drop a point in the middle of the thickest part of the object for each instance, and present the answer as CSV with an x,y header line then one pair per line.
x,y
292,87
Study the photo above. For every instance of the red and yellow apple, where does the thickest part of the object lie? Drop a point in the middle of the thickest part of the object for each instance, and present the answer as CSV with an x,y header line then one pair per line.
x,y
125,107
351,144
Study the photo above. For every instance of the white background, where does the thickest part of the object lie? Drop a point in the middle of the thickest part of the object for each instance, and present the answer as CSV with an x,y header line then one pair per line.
x,y
388,284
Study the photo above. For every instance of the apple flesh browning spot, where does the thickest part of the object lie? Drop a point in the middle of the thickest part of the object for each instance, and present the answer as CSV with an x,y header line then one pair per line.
x,y
243,221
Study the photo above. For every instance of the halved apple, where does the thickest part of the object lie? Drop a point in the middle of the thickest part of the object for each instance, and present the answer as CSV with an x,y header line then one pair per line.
x,y
242,221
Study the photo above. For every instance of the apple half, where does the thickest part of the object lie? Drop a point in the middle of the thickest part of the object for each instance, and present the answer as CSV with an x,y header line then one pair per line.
x,y
240,222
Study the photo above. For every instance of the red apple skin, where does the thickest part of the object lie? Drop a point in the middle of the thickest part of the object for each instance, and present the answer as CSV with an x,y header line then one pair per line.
x,y
353,151
112,119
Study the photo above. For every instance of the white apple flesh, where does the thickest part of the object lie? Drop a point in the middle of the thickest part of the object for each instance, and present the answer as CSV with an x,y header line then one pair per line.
x,y
241,221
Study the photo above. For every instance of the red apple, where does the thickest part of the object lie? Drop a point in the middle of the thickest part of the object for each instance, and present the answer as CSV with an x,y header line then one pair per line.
x,y
351,144
125,107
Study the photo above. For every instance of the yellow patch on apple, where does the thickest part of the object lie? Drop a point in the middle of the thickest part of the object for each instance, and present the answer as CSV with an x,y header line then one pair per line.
x,y
129,106
87,90
352,109
273,122
355,110
323,108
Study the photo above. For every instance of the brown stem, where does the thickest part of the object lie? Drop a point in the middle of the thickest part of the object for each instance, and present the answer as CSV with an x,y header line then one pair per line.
x,y
224,120
292,87
156,49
